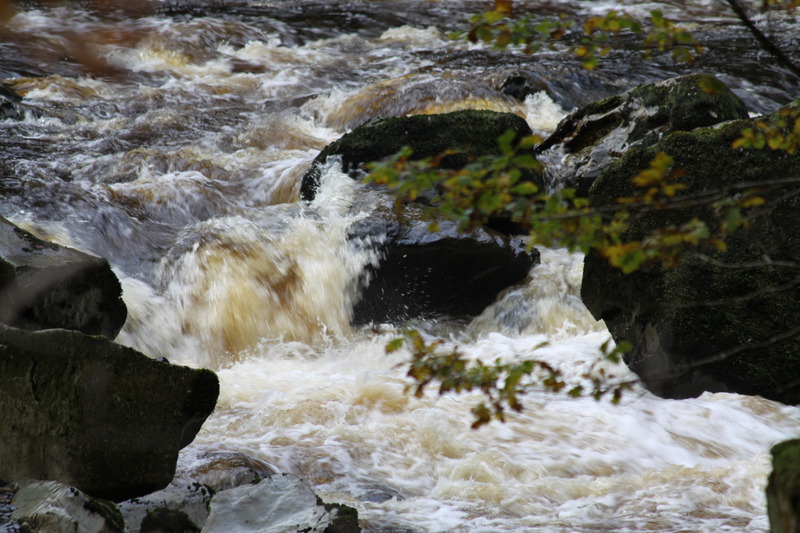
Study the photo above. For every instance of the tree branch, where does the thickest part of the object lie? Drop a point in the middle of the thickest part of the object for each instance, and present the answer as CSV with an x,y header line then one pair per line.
x,y
765,42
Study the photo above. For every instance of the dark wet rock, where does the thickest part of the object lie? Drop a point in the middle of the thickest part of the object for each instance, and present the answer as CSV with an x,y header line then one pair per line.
x,y
568,86
470,134
725,323
783,489
225,470
441,273
8,524
279,504
590,138
164,520
50,506
99,416
190,500
44,285
10,104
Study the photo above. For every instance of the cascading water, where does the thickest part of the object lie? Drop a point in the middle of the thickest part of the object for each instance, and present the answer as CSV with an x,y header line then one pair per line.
x,y
176,153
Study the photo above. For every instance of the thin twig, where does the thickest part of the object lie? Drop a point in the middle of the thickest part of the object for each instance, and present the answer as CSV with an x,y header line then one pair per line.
x,y
766,261
725,354
736,299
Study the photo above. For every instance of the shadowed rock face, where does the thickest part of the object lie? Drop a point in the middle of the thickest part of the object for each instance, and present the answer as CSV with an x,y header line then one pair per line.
x,y
93,414
425,274
43,286
724,321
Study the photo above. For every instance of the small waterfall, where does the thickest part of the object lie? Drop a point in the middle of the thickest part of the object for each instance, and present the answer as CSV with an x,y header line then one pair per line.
x,y
287,273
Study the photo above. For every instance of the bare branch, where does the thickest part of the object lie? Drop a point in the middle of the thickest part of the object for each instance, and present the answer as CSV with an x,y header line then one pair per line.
x,y
726,354
766,261
737,299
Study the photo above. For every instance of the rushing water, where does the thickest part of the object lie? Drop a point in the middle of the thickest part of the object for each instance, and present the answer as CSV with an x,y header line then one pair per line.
x,y
171,141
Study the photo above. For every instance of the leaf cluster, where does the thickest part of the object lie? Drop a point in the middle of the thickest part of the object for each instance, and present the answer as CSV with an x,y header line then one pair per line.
x,y
501,383
665,35
783,134
496,186
487,186
589,40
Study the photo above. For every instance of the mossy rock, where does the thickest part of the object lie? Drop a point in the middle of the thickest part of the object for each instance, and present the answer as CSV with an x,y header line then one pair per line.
x,y
783,490
721,321
468,133
345,518
595,135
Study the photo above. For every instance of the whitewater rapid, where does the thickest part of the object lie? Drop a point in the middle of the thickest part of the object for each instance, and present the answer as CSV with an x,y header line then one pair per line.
x,y
184,173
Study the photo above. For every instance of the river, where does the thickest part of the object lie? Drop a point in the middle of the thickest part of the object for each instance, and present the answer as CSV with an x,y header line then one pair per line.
x,y
170,139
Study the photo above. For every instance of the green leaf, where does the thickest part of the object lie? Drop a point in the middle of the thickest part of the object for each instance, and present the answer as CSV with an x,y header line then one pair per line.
x,y
711,85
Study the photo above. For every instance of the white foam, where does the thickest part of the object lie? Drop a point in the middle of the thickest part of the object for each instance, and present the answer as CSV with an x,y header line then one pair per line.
x,y
543,114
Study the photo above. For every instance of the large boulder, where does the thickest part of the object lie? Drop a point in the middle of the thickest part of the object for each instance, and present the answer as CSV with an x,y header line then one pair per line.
x,y
783,489
593,136
44,285
424,273
468,134
99,416
720,321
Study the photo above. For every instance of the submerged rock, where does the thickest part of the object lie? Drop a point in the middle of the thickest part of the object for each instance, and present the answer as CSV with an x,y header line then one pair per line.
x,y
570,86
96,415
783,490
719,322
10,104
53,507
44,285
423,273
279,504
164,520
185,503
590,138
469,134
187,499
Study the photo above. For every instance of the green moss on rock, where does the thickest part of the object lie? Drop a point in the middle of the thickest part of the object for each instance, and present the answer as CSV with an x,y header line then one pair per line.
x,y
708,325
108,510
783,490
590,138
469,133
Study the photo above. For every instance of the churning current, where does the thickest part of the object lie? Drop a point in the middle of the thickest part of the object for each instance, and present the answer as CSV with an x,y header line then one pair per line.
x,y
170,140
